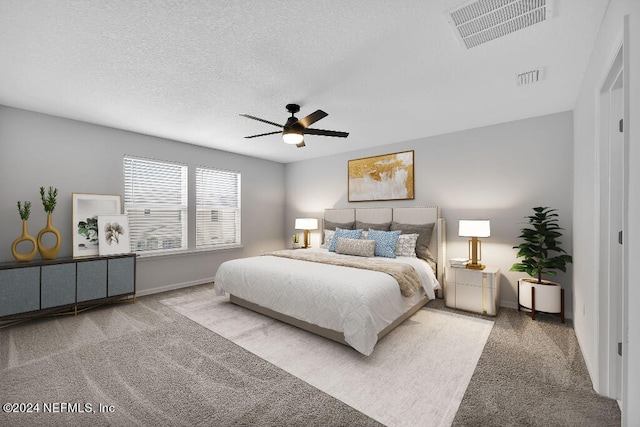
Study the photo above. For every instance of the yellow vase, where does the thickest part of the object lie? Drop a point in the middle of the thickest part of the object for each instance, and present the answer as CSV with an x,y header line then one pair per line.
x,y
26,237
52,252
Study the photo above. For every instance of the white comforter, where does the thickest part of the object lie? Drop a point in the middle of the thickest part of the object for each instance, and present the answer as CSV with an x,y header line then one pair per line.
x,y
359,303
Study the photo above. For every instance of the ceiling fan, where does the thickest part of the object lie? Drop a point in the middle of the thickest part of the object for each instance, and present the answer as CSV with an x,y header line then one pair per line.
x,y
293,130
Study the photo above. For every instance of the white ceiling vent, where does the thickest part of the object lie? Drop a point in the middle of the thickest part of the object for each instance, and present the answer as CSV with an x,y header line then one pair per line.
x,y
481,21
530,77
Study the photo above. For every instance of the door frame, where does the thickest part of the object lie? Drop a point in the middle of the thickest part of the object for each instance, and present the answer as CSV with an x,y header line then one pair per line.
x,y
612,281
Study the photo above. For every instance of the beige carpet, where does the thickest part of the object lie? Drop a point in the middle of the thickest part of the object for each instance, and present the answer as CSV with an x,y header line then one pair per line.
x,y
417,375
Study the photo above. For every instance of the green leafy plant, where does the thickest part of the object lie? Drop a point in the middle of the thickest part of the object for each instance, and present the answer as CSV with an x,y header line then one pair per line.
x,y
89,229
296,238
25,211
49,202
541,251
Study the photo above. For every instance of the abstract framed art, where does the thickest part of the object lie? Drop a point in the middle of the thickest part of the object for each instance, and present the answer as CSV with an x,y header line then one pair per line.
x,y
86,208
113,237
378,178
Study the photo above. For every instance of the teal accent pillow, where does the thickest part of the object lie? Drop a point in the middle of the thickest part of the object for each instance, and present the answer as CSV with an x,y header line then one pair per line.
x,y
385,242
340,232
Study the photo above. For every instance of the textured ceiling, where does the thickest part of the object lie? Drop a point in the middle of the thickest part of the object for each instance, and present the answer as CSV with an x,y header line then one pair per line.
x,y
385,71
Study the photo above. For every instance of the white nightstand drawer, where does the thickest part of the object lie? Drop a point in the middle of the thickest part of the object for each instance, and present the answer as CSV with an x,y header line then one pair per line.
x,y
473,290
469,297
468,277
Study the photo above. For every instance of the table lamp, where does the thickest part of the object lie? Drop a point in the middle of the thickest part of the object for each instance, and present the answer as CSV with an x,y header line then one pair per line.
x,y
474,228
306,224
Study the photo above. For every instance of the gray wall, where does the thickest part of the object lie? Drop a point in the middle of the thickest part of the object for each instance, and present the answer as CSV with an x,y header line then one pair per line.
x,y
41,150
497,172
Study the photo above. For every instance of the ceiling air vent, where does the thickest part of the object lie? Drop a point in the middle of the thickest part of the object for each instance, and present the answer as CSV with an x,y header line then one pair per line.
x,y
530,77
481,21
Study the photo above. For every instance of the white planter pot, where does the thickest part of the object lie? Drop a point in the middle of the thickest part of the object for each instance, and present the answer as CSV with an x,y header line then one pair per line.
x,y
548,296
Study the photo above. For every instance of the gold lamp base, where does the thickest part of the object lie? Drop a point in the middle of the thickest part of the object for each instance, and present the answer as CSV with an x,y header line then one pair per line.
x,y
475,254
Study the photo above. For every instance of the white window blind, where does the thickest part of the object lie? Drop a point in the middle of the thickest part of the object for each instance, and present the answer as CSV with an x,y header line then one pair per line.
x,y
155,199
217,208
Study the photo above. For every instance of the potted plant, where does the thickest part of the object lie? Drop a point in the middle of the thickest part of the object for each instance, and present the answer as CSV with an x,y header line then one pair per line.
x,y
49,201
541,255
25,212
296,241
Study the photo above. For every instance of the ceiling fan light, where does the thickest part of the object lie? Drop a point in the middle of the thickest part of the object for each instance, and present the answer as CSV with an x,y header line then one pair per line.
x,y
291,137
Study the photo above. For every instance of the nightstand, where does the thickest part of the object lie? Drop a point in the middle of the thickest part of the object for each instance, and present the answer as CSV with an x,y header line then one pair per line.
x,y
473,290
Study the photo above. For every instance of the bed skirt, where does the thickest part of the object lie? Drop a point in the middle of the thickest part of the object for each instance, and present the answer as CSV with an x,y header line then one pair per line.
x,y
318,330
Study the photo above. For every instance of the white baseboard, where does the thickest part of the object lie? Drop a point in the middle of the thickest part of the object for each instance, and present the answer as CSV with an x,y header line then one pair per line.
x,y
514,305
509,304
173,287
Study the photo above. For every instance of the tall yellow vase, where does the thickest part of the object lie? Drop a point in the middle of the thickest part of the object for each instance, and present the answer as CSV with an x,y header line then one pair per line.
x,y
26,237
52,252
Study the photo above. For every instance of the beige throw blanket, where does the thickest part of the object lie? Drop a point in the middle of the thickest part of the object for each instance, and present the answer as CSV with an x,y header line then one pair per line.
x,y
407,277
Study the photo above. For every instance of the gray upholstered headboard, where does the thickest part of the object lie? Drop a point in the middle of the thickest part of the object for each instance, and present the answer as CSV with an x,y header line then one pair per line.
x,y
411,215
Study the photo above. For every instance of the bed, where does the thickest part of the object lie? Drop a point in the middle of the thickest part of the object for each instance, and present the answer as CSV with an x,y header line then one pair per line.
x,y
329,292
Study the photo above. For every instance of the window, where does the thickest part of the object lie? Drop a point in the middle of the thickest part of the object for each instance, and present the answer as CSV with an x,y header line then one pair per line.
x,y
155,198
217,208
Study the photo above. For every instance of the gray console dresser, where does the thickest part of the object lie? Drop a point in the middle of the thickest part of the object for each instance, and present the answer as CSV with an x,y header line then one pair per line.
x,y
35,288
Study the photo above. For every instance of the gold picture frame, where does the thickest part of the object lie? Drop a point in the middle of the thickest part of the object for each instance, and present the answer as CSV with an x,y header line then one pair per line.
x,y
380,178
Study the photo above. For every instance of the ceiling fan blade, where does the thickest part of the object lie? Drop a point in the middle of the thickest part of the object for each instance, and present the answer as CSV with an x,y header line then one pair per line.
x,y
261,120
263,134
326,132
312,118
300,145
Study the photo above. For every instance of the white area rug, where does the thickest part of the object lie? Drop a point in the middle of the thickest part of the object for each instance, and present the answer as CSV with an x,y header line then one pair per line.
x,y
416,376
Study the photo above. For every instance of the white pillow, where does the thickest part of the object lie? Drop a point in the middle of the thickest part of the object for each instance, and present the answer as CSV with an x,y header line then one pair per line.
x,y
406,245
328,238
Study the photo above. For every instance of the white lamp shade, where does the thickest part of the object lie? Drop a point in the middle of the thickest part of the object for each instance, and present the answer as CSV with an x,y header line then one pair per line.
x,y
306,224
292,138
474,228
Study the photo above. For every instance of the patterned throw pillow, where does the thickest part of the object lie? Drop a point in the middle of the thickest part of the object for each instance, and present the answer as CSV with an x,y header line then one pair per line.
x,y
357,247
424,231
385,242
349,234
406,245
328,238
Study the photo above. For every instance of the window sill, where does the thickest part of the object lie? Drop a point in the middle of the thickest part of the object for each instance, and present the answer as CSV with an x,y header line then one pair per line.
x,y
185,252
